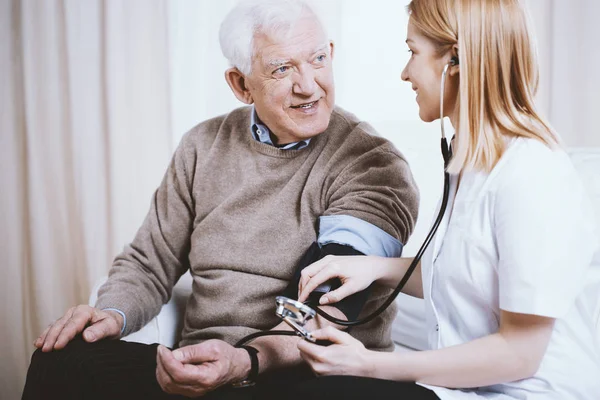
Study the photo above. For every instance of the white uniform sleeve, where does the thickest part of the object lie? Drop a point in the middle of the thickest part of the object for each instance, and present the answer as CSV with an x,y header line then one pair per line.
x,y
544,236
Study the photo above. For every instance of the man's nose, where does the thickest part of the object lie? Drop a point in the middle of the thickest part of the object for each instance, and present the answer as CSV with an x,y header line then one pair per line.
x,y
304,82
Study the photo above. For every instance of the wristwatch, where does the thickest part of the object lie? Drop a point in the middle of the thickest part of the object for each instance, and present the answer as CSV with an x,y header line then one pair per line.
x,y
251,379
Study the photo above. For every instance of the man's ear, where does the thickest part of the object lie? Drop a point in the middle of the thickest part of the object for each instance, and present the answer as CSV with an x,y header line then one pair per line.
x,y
237,82
454,70
331,48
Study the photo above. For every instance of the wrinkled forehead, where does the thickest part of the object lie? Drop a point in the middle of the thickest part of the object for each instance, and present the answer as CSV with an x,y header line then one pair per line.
x,y
297,40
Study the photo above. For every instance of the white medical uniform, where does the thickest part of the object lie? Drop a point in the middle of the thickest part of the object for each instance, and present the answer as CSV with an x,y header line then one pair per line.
x,y
521,239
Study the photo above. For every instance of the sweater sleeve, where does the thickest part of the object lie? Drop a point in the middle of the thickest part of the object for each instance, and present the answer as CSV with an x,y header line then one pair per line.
x,y
377,187
143,275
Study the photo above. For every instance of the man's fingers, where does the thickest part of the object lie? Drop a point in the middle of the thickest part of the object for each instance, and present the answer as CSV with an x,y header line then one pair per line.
x,y
165,380
179,372
169,385
104,328
40,340
197,353
72,327
54,331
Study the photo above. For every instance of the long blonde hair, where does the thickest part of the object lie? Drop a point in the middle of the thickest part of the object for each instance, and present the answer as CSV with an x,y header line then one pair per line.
x,y
498,75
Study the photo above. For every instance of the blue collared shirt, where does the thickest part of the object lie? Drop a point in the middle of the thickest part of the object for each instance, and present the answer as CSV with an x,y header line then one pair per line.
x,y
261,133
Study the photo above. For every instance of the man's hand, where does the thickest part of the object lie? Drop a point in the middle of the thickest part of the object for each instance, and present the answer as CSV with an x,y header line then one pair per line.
x,y
198,369
100,324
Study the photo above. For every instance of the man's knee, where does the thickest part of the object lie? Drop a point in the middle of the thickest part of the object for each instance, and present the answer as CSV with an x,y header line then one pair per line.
x,y
57,373
56,363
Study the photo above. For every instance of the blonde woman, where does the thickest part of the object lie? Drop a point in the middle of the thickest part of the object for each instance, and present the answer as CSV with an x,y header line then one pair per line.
x,y
510,280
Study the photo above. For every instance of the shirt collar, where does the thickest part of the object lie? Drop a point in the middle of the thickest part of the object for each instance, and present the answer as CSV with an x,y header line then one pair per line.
x,y
261,133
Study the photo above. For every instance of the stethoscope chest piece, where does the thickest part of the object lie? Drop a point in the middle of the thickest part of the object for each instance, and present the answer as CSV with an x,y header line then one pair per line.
x,y
295,314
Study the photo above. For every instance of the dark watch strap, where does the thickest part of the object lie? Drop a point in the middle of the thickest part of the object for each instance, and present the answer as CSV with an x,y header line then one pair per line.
x,y
251,379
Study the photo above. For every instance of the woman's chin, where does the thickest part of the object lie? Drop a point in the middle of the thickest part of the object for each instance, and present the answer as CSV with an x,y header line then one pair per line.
x,y
427,117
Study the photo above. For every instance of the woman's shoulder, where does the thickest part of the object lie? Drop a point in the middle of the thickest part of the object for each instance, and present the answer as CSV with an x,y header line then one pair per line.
x,y
533,173
529,161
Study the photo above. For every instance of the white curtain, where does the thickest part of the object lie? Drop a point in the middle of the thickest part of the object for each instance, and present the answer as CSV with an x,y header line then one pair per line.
x,y
85,137
568,33
95,95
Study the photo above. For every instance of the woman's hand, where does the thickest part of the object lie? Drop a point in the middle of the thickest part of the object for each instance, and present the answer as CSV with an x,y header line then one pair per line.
x,y
346,356
355,272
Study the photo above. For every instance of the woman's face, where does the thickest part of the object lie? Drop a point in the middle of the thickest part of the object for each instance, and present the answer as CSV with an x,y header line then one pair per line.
x,y
424,71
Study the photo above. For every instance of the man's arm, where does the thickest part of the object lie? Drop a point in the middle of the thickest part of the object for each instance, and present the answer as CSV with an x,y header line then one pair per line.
x,y
376,188
143,275
372,208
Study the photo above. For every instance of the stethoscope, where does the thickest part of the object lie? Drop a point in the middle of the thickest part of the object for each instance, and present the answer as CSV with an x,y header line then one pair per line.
x,y
297,314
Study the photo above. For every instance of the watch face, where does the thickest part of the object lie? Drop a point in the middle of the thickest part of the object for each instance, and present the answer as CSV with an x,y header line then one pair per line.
x,y
249,381
243,384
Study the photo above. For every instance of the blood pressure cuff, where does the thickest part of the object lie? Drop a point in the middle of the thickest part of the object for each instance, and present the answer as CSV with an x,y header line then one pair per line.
x,y
351,305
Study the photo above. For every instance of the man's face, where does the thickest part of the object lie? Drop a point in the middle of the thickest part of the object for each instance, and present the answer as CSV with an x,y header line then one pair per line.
x,y
291,83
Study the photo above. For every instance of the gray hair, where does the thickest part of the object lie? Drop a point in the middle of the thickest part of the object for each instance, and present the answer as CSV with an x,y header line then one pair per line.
x,y
248,17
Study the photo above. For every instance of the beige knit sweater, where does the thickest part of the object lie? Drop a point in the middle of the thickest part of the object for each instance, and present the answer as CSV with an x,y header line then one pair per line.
x,y
240,214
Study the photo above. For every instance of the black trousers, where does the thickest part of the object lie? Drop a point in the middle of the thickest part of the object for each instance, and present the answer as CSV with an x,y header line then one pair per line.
x,y
114,370
353,387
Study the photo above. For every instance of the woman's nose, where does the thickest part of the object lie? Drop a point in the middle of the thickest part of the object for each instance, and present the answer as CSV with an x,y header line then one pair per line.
x,y
404,75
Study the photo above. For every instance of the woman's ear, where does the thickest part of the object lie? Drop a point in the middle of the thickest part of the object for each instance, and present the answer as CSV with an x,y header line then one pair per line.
x,y
454,61
237,82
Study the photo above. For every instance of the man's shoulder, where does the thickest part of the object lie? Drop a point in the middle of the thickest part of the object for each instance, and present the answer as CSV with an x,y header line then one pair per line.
x,y
206,131
356,133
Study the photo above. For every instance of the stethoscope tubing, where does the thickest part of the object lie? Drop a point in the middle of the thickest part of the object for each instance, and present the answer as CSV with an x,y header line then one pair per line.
x,y
409,271
446,154
417,259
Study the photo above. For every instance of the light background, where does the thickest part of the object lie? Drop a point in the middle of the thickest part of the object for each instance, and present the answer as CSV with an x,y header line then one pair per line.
x,y
96,94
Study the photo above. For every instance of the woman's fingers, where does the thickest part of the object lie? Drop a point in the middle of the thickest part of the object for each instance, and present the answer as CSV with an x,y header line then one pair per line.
x,y
333,335
337,295
312,270
309,352
326,273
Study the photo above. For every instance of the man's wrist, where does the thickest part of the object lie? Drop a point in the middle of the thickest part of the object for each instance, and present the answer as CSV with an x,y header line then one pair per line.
x,y
244,364
247,366
119,317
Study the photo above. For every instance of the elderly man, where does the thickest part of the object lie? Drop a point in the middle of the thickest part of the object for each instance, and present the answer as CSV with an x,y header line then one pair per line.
x,y
248,199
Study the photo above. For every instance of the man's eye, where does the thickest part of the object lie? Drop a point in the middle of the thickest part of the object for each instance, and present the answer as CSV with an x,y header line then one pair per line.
x,y
281,70
321,58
